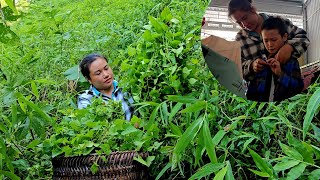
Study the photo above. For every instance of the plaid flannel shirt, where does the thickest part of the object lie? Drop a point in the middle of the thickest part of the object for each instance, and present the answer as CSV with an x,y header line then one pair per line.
x,y
288,84
252,45
85,99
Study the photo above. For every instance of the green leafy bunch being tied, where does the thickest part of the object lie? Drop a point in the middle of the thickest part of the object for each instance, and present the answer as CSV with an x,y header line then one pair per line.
x,y
164,61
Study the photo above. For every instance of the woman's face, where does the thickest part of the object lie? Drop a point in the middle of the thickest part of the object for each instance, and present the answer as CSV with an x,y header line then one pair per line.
x,y
246,19
101,75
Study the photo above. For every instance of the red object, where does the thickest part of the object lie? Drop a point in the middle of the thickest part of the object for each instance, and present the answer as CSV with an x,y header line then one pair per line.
x,y
310,77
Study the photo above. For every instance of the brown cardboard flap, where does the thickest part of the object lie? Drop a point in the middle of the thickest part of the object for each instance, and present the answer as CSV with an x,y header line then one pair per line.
x,y
228,49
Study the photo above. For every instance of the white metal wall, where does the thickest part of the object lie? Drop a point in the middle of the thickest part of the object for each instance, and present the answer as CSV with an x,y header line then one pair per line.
x,y
293,7
312,25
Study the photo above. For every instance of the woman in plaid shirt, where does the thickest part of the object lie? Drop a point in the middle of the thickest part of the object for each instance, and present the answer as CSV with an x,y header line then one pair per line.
x,y
252,47
97,71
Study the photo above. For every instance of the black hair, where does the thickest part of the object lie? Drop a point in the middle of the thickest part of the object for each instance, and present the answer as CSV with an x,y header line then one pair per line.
x,y
242,5
275,23
86,62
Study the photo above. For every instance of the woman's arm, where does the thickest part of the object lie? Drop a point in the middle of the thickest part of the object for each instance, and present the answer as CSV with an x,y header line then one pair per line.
x,y
297,38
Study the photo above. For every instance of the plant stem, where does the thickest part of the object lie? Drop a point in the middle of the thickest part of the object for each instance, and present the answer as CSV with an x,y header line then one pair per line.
x,y
31,132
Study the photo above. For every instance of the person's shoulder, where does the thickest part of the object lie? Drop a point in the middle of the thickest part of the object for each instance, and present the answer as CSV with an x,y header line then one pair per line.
x,y
293,61
242,34
87,94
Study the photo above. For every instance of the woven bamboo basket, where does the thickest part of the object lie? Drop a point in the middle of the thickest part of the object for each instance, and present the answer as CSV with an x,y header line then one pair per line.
x,y
119,165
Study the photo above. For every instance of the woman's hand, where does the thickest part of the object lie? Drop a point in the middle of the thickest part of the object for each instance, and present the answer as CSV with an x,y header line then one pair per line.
x,y
275,66
258,65
284,53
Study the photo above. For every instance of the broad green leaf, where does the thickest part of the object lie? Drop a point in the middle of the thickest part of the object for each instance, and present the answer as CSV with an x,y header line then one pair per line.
x,y
175,21
67,151
148,103
10,175
303,148
3,128
220,175
283,118
314,175
261,164
261,105
177,51
217,138
146,162
166,14
289,151
186,71
22,105
14,113
147,36
37,125
156,25
296,171
75,125
182,99
164,112
316,131
209,145
207,170
11,4
9,164
175,129
198,153
61,17
3,147
131,51
259,173
316,151
229,174
198,106
106,149
192,81
128,130
34,89
307,152
24,130
312,107
74,74
174,111
281,166
56,152
245,145
185,140
21,164
94,168
33,143
163,171
153,116
8,96
45,116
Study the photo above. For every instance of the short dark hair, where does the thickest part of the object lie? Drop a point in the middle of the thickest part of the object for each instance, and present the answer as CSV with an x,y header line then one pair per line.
x,y
87,61
239,5
275,23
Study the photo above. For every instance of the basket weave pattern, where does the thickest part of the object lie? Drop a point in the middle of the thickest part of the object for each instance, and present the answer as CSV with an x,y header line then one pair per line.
x,y
119,165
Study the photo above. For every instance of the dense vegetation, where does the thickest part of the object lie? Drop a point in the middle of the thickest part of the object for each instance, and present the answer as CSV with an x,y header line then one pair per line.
x,y
190,125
